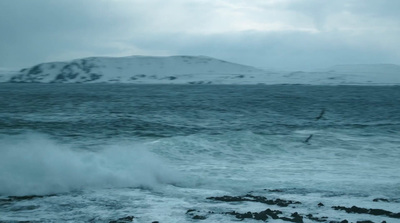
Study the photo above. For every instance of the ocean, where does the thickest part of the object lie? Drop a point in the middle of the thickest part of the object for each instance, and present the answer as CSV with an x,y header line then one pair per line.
x,y
199,153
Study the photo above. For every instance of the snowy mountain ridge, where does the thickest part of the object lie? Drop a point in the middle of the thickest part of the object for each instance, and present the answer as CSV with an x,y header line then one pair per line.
x,y
136,69
348,74
194,70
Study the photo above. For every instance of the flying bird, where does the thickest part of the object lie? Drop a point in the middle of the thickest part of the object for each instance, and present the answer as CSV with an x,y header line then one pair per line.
x,y
320,115
308,139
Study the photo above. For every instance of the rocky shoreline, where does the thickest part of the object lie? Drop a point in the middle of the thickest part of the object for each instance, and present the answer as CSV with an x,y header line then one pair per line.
x,y
270,214
278,209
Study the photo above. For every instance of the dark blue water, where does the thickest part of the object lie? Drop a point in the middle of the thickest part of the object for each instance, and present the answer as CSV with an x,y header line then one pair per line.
x,y
163,111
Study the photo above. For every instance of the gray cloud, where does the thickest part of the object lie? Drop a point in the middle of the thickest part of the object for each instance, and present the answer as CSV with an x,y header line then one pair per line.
x,y
279,50
296,34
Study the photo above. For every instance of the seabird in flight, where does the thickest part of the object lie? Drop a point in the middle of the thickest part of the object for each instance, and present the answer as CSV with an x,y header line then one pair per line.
x,y
320,115
308,139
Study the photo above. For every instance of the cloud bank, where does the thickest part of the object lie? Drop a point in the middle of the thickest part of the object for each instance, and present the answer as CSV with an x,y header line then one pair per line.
x,y
281,34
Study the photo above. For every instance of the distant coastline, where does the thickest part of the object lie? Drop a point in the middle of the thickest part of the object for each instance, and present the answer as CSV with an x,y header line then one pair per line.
x,y
194,70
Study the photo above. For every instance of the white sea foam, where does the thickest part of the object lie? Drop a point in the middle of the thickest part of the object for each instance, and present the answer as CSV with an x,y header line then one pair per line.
x,y
34,164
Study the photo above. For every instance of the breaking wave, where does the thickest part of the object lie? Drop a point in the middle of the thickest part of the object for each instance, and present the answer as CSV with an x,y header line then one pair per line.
x,y
34,164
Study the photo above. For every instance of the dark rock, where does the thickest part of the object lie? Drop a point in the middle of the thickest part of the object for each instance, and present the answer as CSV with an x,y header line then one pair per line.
x,y
320,205
264,215
252,198
228,199
358,210
321,219
155,222
276,190
241,216
273,213
368,221
380,199
190,210
199,217
295,218
386,200
123,220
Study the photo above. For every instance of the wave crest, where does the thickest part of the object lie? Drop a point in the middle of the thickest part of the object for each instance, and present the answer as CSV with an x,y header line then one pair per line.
x,y
34,164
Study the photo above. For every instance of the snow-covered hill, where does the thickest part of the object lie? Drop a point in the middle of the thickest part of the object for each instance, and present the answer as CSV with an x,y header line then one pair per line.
x,y
194,70
352,74
140,69
6,74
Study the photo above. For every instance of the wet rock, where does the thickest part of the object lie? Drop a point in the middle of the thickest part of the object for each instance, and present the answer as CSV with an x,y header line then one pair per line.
x,y
252,198
320,204
123,220
380,199
190,210
276,190
386,200
241,216
358,210
264,215
199,217
273,213
321,219
229,199
295,218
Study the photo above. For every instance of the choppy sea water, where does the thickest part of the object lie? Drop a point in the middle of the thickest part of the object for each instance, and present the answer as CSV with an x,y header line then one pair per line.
x,y
106,152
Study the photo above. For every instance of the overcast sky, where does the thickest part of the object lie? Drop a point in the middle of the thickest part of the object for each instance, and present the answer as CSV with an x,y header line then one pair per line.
x,y
280,34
